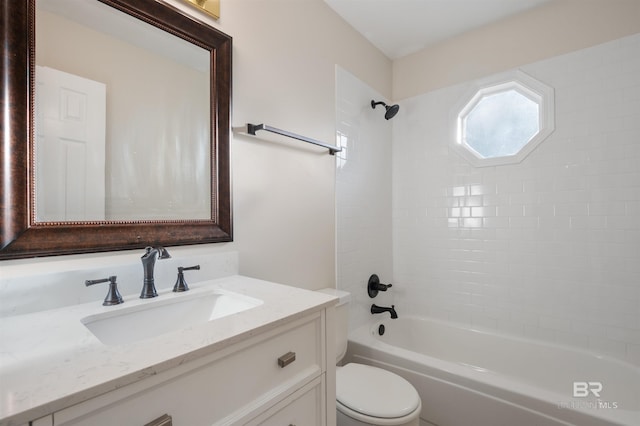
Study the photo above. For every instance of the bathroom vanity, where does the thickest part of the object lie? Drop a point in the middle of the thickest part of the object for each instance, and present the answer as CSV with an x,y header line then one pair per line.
x,y
264,358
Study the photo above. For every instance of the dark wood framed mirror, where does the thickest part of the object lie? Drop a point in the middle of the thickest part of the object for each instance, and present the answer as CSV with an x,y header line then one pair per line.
x,y
22,232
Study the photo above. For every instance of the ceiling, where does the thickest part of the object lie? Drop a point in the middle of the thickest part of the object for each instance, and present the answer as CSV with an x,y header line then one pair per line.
x,y
401,27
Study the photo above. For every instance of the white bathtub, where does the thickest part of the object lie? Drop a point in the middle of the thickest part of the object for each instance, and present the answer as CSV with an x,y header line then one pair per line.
x,y
467,377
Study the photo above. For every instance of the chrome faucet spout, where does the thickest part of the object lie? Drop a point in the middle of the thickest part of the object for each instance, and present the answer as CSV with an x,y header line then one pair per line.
x,y
375,309
148,265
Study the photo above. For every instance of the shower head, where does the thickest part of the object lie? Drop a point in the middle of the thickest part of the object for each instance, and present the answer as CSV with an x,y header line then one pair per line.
x,y
391,110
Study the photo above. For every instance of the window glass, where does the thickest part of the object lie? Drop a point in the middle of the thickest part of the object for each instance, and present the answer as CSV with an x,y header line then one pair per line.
x,y
501,124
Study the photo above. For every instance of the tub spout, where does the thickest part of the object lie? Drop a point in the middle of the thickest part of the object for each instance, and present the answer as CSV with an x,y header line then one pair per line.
x,y
375,309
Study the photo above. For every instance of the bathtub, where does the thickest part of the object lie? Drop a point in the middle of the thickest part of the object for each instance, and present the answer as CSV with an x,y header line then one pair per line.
x,y
468,377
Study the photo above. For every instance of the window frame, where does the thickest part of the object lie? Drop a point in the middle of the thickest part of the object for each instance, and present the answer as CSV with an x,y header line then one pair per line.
x,y
524,84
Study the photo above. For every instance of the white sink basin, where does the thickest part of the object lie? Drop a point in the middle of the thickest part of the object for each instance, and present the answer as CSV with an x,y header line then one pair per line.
x,y
169,312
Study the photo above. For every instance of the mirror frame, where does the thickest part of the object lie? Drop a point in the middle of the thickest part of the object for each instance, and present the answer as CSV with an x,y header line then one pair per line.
x,y
20,235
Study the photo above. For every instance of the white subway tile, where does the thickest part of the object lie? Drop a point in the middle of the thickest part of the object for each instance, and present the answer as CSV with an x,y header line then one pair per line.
x,y
628,335
547,248
509,187
512,210
633,353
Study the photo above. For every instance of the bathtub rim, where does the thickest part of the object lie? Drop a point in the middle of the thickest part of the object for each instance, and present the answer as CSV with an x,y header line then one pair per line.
x,y
544,401
499,333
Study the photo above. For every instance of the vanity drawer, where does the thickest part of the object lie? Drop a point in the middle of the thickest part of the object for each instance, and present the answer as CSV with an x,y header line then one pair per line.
x,y
247,379
303,408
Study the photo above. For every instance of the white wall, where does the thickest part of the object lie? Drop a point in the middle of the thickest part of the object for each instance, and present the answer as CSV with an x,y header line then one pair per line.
x,y
547,248
284,57
363,194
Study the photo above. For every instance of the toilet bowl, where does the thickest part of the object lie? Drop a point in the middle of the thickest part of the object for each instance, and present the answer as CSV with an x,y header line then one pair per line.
x,y
367,395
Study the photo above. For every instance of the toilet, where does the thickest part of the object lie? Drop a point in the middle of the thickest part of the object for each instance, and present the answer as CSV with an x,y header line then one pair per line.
x,y
367,395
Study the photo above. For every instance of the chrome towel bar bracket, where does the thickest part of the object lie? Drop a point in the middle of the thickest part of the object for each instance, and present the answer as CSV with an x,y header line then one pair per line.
x,y
253,128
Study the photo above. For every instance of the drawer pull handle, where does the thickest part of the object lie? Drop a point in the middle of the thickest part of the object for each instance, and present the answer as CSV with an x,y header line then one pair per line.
x,y
286,359
163,420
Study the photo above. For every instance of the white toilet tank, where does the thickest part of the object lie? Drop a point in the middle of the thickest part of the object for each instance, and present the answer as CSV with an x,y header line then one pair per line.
x,y
342,320
358,399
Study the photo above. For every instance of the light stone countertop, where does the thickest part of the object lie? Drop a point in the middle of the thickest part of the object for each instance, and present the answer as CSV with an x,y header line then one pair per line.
x,y
49,360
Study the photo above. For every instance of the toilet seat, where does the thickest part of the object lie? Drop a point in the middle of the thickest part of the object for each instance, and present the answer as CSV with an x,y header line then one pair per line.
x,y
377,421
363,391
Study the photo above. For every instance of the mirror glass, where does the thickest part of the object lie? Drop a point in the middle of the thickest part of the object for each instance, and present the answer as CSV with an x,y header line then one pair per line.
x,y
161,172
122,118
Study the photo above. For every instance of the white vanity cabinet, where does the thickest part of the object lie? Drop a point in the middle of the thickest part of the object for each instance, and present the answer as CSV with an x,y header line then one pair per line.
x,y
273,377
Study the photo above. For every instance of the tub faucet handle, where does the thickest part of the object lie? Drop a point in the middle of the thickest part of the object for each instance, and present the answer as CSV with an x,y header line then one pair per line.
x,y
374,286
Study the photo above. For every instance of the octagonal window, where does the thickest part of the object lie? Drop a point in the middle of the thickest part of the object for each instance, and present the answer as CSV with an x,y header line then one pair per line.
x,y
500,124
502,121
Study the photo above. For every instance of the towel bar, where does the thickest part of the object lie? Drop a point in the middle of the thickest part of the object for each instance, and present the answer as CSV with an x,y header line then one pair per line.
x,y
253,128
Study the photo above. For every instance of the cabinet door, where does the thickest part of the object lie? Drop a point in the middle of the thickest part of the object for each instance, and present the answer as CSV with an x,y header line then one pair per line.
x,y
303,408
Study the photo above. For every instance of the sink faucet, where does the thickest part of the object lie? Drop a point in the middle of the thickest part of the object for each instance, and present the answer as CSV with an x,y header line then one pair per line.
x,y
375,309
148,263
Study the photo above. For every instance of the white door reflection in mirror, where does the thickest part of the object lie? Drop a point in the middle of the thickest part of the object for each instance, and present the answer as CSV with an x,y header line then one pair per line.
x,y
70,148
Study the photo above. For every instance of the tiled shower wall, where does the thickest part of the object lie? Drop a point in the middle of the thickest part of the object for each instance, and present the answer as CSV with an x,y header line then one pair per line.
x,y
363,194
548,248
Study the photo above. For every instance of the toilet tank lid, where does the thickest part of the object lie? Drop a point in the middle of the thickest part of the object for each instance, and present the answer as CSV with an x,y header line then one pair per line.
x,y
375,392
343,296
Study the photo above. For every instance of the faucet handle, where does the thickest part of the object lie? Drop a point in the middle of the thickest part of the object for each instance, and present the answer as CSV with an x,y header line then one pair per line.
x,y
181,284
163,253
374,286
113,295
